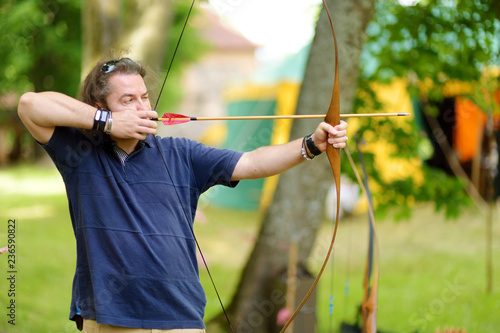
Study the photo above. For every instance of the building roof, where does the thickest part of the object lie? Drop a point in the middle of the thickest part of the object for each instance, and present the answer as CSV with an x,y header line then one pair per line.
x,y
220,35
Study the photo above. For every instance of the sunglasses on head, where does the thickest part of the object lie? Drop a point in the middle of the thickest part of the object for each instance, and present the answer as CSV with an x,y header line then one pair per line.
x,y
109,66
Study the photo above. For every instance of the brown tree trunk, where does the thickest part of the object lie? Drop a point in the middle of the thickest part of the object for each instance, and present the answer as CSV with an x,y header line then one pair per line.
x,y
139,31
101,28
298,205
146,31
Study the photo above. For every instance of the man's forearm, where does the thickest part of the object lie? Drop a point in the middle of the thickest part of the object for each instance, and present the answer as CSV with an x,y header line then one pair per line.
x,y
50,109
42,112
268,161
272,160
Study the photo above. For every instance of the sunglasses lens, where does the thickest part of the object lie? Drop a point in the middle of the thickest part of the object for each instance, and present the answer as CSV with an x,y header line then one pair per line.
x,y
109,66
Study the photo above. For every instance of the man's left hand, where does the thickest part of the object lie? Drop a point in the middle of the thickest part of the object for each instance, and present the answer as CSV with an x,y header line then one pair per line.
x,y
326,134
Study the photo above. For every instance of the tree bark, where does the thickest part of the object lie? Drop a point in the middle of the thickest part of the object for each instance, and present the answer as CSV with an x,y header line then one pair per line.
x,y
146,31
139,31
298,205
101,28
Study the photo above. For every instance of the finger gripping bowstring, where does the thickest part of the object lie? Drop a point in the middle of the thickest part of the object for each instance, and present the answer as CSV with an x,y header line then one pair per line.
x,y
170,175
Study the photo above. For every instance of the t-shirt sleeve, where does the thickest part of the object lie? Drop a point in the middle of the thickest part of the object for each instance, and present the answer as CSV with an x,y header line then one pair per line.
x,y
213,166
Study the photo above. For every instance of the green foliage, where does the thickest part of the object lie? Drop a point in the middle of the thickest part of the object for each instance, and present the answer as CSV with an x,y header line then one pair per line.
x,y
448,193
487,86
40,47
398,198
435,40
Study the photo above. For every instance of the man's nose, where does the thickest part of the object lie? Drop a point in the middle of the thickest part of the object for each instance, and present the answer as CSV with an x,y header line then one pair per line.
x,y
143,105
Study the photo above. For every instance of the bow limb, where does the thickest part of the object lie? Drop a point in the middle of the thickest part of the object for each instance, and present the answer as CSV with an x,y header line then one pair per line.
x,y
369,303
332,118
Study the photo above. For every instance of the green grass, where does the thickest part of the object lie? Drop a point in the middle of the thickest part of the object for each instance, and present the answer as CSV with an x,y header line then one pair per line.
x,y
45,250
432,272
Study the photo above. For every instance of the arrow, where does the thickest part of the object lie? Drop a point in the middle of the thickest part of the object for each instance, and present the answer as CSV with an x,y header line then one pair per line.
x,y
174,119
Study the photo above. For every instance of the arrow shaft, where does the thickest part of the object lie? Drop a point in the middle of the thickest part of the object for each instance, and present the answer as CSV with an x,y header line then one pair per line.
x,y
297,116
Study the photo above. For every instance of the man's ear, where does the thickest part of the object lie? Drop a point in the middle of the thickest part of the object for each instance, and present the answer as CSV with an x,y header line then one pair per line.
x,y
100,106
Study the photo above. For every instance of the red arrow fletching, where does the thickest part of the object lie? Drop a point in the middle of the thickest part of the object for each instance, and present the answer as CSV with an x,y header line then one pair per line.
x,y
173,119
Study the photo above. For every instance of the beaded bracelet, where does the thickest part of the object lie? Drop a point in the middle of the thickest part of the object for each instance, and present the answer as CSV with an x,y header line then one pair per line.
x,y
305,154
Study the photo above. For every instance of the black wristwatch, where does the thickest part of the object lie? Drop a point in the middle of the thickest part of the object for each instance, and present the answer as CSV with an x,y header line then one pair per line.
x,y
311,146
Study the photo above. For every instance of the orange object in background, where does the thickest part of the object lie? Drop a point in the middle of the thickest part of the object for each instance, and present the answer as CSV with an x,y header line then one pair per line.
x,y
469,125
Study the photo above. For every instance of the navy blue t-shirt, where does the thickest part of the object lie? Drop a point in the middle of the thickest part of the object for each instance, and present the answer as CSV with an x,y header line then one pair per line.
x,y
136,254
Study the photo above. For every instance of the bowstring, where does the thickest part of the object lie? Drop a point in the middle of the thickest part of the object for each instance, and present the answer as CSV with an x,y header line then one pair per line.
x,y
175,52
171,178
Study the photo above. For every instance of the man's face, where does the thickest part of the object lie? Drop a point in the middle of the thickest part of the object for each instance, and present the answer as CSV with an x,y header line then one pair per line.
x,y
129,92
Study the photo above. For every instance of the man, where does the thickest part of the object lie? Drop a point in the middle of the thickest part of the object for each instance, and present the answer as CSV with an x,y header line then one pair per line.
x,y
133,197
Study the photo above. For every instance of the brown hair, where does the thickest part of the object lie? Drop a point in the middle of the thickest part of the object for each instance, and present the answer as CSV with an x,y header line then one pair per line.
x,y
95,88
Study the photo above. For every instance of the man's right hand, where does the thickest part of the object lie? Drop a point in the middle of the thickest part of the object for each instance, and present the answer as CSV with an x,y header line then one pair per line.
x,y
131,124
